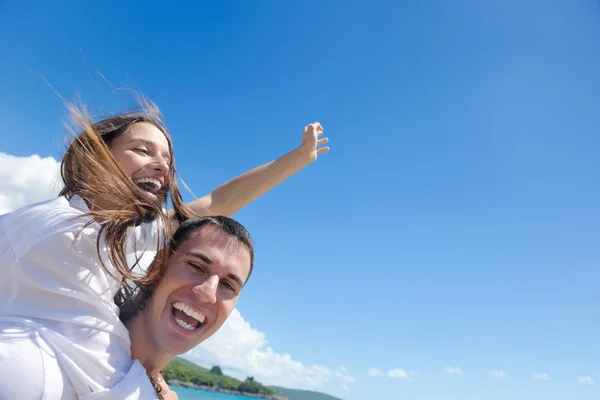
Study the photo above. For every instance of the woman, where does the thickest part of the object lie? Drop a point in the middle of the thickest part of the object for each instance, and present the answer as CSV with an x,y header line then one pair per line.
x,y
63,260
210,262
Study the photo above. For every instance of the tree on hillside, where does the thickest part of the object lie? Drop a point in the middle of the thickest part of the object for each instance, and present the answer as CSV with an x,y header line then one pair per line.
x,y
203,379
251,386
216,370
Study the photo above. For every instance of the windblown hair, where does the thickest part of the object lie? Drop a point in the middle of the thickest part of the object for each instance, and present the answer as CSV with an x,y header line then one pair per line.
x,y
89,170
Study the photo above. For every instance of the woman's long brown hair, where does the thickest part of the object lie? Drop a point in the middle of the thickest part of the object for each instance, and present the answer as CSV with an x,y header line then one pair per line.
x,y
89,170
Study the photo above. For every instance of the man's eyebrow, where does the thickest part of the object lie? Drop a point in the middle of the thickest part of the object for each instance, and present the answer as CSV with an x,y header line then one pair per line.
x,y
207,260
201,256
236,278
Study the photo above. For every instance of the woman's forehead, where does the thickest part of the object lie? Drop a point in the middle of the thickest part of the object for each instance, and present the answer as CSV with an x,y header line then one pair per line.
x,y
147,131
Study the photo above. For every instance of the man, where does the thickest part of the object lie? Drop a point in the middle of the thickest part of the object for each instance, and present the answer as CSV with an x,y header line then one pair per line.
x,y
211,259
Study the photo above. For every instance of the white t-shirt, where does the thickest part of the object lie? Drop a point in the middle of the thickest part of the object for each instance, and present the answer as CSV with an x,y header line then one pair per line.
x,y
56,301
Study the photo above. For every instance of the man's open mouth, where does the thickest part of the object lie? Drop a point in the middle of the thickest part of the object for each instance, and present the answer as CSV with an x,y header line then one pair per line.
x,y
186,317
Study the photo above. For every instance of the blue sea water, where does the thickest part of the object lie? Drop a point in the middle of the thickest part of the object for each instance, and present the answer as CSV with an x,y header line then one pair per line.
x,y
193,394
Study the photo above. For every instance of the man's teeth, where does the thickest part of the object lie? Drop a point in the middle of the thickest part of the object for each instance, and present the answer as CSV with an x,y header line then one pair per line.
x,y
189,312
184,324
155,182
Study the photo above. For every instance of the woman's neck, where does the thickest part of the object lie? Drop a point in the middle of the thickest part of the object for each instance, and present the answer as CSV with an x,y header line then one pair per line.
x,y
143,347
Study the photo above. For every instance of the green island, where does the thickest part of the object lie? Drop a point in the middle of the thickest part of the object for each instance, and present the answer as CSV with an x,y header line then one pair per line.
x,y
181,372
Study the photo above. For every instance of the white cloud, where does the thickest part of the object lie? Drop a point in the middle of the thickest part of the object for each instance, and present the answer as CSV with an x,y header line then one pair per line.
x,y
344,377
26,180
585,380
541,377
345,388
343,369
453,371
400,374
241,351
375,372
498,373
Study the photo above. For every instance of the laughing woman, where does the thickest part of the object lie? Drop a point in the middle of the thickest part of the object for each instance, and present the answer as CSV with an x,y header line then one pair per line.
x,y
62,261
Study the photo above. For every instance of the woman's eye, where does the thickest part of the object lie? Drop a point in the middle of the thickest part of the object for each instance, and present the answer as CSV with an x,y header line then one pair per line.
x,y
141,150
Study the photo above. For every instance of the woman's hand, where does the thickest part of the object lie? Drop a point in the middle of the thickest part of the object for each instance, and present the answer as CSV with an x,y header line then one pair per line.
x,y
311,141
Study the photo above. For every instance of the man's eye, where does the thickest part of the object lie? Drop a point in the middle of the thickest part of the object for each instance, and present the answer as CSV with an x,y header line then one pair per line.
x,y
228,285
197,267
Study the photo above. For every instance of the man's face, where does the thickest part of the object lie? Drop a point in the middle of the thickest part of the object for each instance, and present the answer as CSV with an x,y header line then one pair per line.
x,y
203,280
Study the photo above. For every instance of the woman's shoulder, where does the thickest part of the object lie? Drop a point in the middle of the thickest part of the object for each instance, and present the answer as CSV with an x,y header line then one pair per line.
x,y
149,233
32,224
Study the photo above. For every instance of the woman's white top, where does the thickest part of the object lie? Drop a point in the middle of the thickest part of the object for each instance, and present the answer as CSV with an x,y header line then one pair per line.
x,y
56,300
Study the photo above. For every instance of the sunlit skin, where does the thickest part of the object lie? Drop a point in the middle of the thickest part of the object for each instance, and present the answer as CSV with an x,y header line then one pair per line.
x,y
143,154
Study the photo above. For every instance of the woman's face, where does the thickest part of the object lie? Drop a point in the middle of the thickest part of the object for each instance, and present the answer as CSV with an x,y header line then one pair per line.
x,y
143,154
202,283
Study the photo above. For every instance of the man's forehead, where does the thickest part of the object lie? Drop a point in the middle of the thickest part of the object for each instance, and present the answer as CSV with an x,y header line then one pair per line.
x,y
212,240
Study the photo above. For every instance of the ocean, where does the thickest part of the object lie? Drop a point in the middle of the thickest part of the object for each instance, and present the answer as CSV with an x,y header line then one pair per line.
x,y
193,394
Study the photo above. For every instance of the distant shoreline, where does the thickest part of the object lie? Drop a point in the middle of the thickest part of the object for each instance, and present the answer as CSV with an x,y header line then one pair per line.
x,y
190,385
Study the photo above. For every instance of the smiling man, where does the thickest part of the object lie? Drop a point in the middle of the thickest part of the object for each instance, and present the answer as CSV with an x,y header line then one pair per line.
x,y
211,260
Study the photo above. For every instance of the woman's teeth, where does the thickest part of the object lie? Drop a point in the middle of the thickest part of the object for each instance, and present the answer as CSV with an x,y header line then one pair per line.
x,y
150,184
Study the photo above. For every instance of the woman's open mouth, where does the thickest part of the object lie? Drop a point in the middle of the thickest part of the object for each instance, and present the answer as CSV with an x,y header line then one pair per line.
x,y
150,185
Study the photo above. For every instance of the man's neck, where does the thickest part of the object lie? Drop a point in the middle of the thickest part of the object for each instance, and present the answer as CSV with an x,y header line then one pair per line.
x,y
142,348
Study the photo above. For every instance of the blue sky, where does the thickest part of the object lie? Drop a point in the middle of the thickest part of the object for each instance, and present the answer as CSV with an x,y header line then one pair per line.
x,y
454,223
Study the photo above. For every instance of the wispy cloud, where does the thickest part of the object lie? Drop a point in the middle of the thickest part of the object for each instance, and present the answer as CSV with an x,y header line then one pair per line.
x,y
498,373
345,388
375,372
453,371
541,376
587,380
242,351
344,377
400,374
343,369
